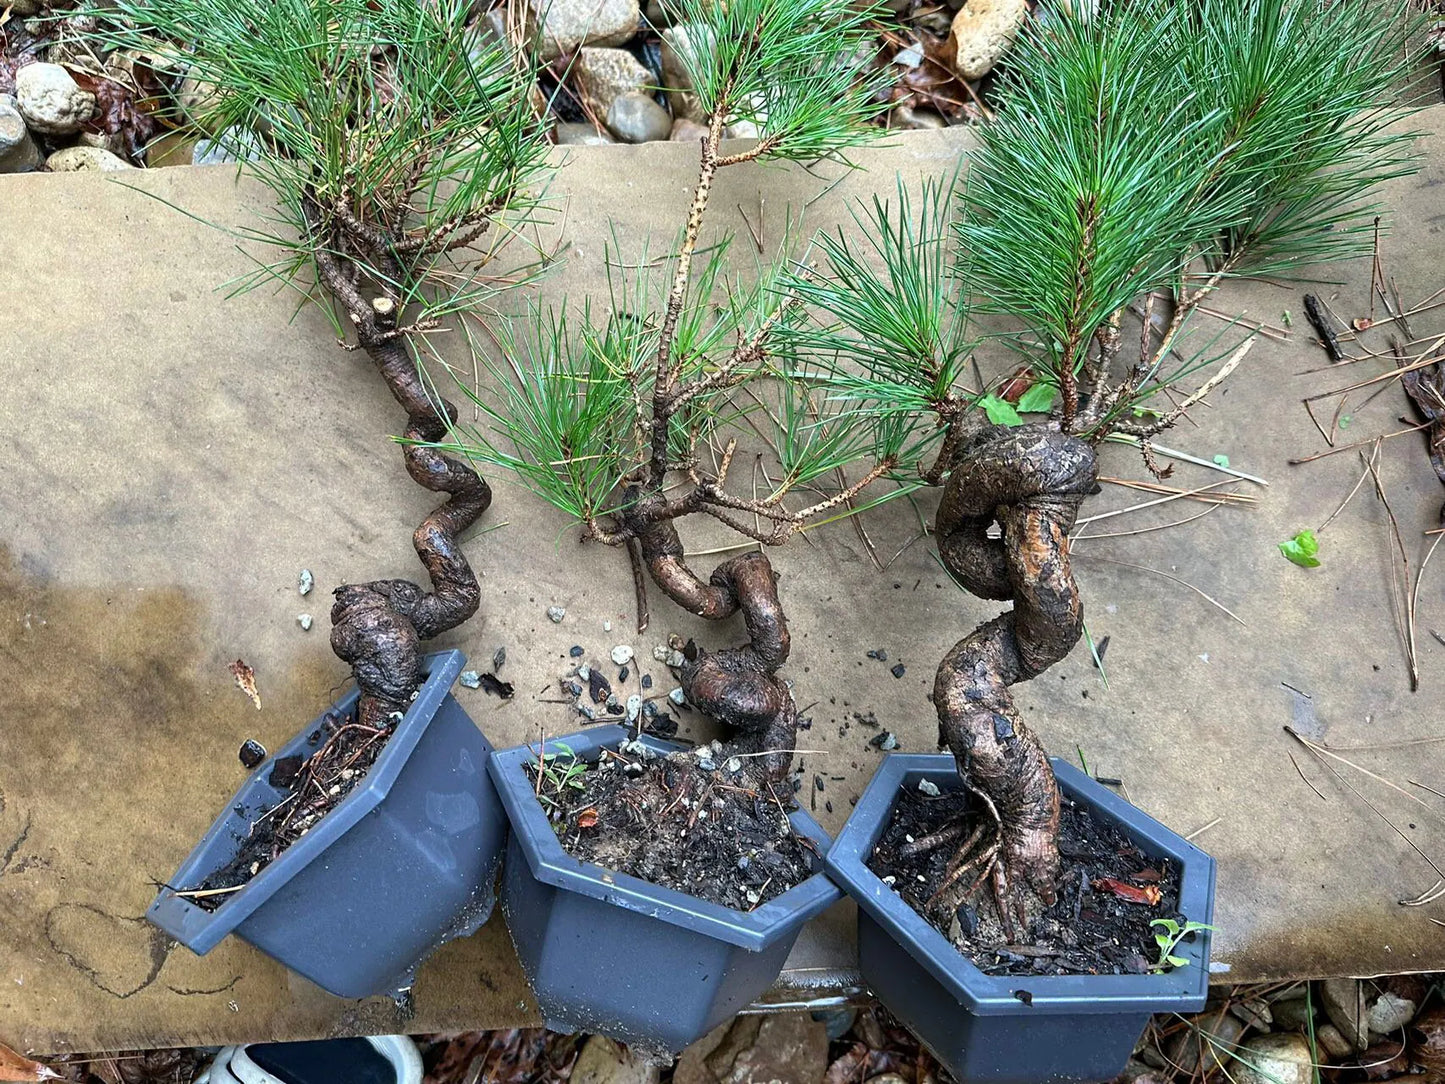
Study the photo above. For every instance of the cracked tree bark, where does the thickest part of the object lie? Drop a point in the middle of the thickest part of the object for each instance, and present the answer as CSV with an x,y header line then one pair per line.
x,y
738,686
378,628
1030,480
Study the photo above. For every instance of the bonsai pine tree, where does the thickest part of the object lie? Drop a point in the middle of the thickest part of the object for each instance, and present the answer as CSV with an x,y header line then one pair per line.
x,y
1138,160
600,416
401,147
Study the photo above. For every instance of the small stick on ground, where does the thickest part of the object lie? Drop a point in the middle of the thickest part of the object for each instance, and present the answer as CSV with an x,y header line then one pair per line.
x,y
1314,313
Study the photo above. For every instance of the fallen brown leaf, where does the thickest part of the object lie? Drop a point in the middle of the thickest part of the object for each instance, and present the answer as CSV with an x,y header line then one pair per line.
x,y
847,1068
246,681
1014,387
1362,323
16,1067
1149,895
1428,1033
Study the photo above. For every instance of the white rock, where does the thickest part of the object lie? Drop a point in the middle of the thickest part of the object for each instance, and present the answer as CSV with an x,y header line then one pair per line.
x,y
1345,1005
18,153
565,25
232,145
982,32
636,117
688,131
602,1061
905,116
1390,1013
198,100
604,75
1273,1059
634,707
580,135
79,158
622,654
50,100
556,613
304,620
677,696
1332,1042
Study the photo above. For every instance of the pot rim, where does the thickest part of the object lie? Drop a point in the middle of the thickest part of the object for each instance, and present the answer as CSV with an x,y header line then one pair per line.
x,y
201,930
1182,989
550,863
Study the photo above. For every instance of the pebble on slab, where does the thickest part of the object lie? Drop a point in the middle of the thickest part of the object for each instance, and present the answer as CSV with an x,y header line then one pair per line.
x,y
576,651
677,696
897,671
556,613
471,679
622,654
304,620
252,753
305,581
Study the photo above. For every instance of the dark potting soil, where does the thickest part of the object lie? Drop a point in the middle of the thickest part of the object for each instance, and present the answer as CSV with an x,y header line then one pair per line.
x,y
314,784
718,833
1091,929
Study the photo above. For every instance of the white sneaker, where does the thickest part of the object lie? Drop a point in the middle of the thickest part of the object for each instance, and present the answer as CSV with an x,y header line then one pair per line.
x,y
379,1059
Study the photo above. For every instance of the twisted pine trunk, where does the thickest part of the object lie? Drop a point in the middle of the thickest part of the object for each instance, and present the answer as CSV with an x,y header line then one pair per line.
x,y
378,627
738,686
1031,481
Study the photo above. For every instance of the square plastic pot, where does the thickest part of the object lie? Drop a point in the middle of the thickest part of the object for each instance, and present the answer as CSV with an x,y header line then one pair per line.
x,y
404,863
612,954
1019,1029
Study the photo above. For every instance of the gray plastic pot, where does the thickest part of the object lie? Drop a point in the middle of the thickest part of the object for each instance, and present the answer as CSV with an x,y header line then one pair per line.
x,y
404,863
612,954
1020,1029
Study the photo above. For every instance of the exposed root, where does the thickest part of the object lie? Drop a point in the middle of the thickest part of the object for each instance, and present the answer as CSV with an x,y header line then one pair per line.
x,y
738,686
1030,480
378,627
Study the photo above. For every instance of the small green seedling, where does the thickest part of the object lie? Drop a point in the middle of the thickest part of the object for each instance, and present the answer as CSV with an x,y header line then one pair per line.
x,y
1302,549
1168,940
558,771
1000,411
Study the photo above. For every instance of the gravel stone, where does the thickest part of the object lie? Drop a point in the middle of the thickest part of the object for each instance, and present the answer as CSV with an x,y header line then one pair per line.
x,y
556,613
51,101
636,118
982,31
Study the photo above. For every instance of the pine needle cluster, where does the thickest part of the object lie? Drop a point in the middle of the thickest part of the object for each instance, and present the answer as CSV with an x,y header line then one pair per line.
x,y
1149,152
660,377
395,136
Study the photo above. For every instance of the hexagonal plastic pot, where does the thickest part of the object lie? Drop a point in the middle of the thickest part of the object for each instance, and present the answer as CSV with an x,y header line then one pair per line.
x,y
612,954
1013,1029
404,863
